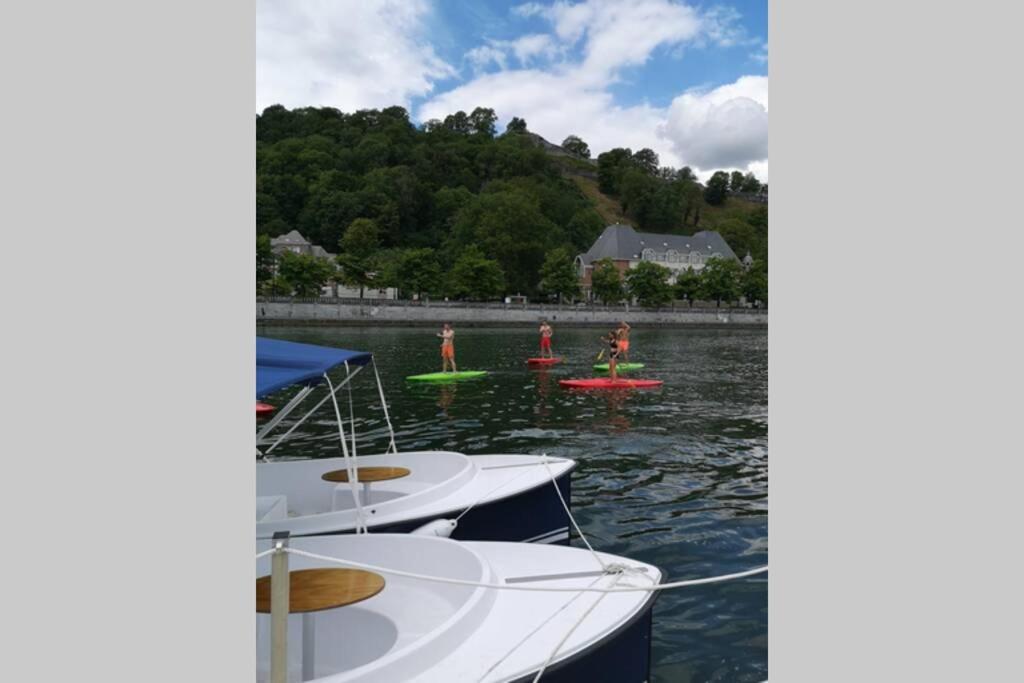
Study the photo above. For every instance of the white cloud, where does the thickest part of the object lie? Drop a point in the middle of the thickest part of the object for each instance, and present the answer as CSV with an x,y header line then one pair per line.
x,y
482,56
555,106
349,55
526,50
722,128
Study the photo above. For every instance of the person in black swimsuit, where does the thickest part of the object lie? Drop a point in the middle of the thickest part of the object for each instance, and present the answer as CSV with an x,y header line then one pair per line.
x,y
613,353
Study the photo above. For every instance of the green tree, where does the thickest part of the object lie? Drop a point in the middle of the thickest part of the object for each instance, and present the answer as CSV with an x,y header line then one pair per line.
x,y
610,167
360,242
558,275
720,280
584,227
417,271
717,188
458,123
606,282
647,160
754,282
304,274
508,225
751,185
648,284
482,122
735,181
576,146
516,125
264,260
476,277
688,285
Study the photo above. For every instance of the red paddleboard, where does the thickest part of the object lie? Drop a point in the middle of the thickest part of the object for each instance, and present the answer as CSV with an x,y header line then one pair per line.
x,y
607,383
543,361
263,409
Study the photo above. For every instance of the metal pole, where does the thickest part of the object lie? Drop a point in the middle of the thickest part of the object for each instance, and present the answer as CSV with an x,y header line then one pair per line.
x,y
280,582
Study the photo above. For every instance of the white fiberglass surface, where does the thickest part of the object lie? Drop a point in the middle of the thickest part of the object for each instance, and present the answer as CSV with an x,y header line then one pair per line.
x,y
300,481
408,621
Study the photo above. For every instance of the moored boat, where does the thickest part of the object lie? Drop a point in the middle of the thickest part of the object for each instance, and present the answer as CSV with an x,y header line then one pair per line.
x,y
422,631
502,497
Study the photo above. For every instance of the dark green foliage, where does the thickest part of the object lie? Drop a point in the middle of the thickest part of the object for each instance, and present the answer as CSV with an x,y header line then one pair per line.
x,y
606,282
450,184
516,125
754,282
646,160
751,184
576,146
476,277
319,170
558,275
610,167
720,280
735,181
482,122
688,285
717,189
648,284
358,247
509,226
304,275
584,227
412,271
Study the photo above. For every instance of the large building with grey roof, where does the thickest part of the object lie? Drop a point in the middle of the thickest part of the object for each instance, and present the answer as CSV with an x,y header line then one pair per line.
x,y
626,248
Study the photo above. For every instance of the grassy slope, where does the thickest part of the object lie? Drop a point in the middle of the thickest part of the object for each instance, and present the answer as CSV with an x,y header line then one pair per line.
x,y
710,216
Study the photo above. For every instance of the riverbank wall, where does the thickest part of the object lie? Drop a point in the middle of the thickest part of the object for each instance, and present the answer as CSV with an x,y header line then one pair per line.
x,y
384,312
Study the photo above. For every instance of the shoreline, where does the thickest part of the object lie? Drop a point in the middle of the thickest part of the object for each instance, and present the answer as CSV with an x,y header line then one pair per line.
x,y
347,313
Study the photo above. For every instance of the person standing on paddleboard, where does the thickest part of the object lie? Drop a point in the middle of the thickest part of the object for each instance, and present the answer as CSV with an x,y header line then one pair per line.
x,y
545,339
613,353
447,336
622,335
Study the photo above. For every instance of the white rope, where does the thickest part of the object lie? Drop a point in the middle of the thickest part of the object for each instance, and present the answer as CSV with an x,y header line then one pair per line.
x,y
535,630
351,413
353,472
265,553
542,589
392,448
565,506
572,630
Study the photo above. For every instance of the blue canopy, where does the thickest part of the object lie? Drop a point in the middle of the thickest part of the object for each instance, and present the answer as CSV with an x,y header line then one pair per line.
x,y
281,364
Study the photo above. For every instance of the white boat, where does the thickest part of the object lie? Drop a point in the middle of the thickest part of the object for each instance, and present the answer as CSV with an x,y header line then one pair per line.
x,y
502,497
420,631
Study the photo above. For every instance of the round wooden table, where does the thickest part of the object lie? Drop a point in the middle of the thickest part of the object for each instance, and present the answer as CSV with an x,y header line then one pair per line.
x,y
313,590
366,476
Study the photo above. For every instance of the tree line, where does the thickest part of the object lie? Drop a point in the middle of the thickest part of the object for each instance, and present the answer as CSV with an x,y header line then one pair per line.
x,y
448,208
651,284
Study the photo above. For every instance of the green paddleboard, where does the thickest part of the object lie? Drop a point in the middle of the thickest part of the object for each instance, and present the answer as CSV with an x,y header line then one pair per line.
x,y
446,376
619,367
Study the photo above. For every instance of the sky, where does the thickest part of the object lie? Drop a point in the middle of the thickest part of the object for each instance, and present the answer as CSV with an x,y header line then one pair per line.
x,y
688,80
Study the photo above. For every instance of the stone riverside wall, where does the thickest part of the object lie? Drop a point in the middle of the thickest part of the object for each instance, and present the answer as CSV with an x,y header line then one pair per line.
x,y
349,312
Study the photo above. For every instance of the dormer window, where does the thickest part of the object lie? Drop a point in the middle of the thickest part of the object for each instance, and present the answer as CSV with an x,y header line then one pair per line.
x,y
648,254
672,256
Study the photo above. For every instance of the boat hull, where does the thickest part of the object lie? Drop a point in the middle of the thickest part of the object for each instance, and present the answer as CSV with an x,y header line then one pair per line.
x,y
534,516
622,657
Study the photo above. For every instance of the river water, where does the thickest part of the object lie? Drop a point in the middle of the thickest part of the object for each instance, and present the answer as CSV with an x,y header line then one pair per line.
x,y
675,476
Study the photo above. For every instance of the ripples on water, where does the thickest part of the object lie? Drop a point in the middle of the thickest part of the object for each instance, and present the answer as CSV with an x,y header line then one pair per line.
x,y
675,476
